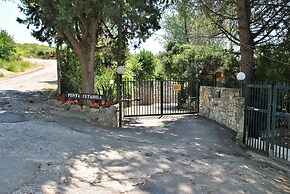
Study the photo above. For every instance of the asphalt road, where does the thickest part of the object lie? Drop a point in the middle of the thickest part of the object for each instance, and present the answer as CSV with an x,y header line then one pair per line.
x,y
45,150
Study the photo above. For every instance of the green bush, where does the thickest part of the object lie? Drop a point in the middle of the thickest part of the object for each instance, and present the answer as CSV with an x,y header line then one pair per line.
x,y
71,76
187,61
104,83
15,66
40,53
70,72
34,50
144,66
3,64
7,46
273,63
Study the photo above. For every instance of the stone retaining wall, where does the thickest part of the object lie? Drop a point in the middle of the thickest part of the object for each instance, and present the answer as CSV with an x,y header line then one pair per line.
x,y
223,105
106,117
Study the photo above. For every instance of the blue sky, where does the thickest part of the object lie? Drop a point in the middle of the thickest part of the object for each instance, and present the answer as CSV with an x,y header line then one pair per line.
x,y
9,12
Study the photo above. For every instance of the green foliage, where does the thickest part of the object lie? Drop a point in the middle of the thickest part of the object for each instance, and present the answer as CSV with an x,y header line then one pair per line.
x,y
144,66
230,69
15,66
104,82
70,72
35,50
250,23
9,57
187,24
71,75
273,64
7,46
183,61
159,73
82,25
66,19
129,63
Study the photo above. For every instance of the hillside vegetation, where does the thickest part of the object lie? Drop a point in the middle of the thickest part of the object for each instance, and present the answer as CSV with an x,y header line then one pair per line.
x,y
12,54
35,51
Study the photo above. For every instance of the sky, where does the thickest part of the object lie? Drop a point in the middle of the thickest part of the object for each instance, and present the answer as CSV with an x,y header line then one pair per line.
x,y
9,12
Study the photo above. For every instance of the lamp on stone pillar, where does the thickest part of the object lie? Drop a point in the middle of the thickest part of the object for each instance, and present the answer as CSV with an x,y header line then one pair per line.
x,y
241,77
120,72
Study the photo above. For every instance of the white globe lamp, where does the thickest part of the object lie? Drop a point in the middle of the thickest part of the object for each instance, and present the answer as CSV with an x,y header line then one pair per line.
x,y
121,70
241,76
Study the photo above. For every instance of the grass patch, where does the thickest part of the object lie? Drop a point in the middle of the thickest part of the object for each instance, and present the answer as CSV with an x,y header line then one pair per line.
x,y
1,75
15,66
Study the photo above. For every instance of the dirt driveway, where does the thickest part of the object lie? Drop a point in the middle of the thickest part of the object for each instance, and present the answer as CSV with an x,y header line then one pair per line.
x,y
44,150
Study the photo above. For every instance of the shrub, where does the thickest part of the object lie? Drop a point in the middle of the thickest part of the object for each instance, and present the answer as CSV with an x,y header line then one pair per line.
x,y
186,61
273,63
15,66
144,66
70,72
7,46
103,84
34,50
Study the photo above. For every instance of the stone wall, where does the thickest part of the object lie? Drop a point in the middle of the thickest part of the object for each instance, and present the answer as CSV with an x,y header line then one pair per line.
x,y
223,105
106,117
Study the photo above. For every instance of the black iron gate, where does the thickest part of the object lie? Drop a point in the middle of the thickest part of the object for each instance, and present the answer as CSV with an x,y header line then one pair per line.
x,y
267,119
160,97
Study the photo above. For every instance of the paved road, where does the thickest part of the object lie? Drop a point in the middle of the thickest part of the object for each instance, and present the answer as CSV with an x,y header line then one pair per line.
x,y
44,150
34,81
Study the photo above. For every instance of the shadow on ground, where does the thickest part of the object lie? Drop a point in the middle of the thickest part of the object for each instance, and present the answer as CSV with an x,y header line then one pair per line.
x,y
185,154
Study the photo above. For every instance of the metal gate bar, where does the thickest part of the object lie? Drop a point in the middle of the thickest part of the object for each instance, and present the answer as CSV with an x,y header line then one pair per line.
x,y
258,116
159,97
267,119
280,134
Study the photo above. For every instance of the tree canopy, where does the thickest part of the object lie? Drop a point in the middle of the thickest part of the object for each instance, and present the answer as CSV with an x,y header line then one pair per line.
x,y
250,23
82,24
185,23
144,65
185,61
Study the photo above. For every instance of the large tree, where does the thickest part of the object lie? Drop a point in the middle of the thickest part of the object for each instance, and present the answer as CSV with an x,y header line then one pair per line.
x,y
81,24
185,23
255,22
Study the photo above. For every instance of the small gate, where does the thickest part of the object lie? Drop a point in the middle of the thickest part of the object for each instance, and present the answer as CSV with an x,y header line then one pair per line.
x,y
267,119
160,97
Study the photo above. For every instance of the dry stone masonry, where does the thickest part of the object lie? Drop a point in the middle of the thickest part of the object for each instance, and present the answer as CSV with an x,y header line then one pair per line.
x,y
106,117
223,105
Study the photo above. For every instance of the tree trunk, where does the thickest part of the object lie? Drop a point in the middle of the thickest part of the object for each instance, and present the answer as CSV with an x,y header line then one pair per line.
x,y
186,28
85,51
87,60
59,72
246,39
